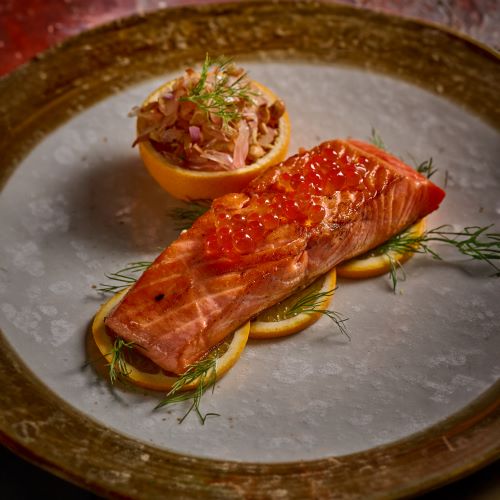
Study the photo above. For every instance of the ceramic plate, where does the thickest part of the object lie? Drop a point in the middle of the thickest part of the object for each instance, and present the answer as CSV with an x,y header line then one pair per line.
x,y
410,401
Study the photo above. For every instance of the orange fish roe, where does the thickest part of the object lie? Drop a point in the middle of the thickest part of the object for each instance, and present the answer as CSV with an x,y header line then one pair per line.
x,y
298,196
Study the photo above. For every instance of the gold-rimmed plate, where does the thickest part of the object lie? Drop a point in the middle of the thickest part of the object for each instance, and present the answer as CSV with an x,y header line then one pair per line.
x,y
409,403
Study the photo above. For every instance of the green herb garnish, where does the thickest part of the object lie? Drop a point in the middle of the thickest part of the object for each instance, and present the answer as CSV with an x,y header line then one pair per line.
x,y
219,97
117,365
311,304
184,217
125,277
205,371
426,168
473,241
376,140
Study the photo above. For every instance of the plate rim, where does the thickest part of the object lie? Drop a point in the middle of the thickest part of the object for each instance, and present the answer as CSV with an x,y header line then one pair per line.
x,y
468,431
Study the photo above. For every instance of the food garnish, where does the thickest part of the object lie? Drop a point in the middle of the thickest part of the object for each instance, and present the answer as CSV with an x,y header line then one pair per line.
x,y
382,259
124,277
117,365
184,217
204,373
313,304
376,140
299,311
473,241
223,90
426,168
210,132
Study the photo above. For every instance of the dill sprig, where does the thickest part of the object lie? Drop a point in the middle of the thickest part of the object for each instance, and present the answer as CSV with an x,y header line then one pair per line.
x,y
222,98
311,304
426,168
186,215
473,241
376,140
203,370
124,277
117,365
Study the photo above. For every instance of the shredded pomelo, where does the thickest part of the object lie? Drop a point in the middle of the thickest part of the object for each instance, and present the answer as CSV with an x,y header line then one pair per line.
x,y
295,313
141,371
377,263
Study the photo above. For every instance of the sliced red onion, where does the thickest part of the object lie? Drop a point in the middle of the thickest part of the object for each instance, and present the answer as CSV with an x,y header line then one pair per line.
x,y
195,133
223,159
241,145
267,139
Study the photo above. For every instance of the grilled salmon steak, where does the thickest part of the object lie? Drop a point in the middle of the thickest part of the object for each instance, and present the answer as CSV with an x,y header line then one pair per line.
x,y
252,249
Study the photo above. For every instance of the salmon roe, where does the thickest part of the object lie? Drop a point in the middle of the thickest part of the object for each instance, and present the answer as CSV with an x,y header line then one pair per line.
x,y
298,196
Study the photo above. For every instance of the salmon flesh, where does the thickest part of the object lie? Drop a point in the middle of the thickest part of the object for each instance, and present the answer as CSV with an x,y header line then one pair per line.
x,y
252,249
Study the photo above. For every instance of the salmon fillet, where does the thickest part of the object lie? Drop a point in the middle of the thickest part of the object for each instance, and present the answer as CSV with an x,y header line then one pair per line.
x,y
252,249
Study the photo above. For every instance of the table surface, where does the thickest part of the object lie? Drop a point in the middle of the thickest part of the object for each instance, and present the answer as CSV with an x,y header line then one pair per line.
x,y
28,27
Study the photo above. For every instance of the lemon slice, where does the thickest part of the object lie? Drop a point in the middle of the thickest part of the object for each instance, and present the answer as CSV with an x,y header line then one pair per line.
x,y
277,322
142,372
372,264
188,184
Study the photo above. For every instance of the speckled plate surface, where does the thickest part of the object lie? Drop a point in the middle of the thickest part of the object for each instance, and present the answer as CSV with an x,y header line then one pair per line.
x,y
410,402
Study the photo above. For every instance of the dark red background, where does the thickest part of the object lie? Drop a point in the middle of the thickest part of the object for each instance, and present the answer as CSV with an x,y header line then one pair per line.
x,y
30,26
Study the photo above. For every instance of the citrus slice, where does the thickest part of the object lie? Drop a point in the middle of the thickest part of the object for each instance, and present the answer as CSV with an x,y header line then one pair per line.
x,y
141,371
375,263
188,184
280,320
